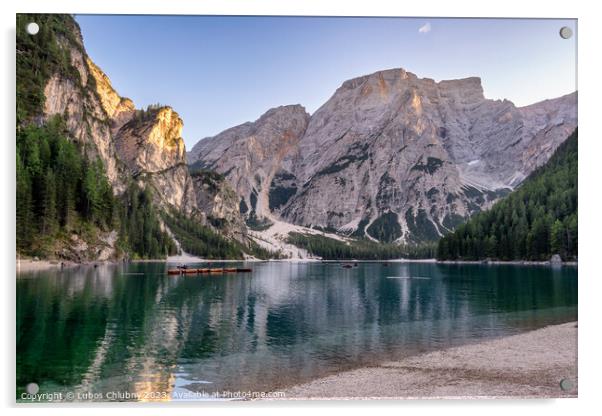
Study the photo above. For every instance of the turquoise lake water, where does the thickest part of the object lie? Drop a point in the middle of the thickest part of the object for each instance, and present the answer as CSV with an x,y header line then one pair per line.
x,y
132,329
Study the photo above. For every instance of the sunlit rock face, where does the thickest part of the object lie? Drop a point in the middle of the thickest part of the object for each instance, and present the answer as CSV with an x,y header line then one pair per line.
x,y
150,144
112,103
389,156
146,146
85,118
151,141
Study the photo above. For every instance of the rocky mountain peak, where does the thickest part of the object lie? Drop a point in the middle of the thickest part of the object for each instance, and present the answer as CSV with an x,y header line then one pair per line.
x,y
277,113
465,89
251,155
384,76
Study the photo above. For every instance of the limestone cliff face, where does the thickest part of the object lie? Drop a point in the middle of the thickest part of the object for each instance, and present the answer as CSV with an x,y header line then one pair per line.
x,y
549,123
86,119
144,145
392,156
151,141
118,109
112,103
151,146
252,155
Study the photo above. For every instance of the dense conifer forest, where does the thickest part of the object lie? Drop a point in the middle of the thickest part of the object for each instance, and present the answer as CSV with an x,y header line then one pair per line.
x,y
60,192
536,221
200,240
331,249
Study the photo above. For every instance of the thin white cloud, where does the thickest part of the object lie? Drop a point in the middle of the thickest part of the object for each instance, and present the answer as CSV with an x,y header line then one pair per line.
x,y
425,28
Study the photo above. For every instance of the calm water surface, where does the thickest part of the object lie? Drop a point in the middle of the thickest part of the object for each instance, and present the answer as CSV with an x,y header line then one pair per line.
x,y
132,328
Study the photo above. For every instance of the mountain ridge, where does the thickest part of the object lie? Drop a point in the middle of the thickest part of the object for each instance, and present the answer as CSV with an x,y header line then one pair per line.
x,y
404,150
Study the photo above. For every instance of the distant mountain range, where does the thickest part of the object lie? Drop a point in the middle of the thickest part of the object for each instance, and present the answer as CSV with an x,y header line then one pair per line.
x,y
389,157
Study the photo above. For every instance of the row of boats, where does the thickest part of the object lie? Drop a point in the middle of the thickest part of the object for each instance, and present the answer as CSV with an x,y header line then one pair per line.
x,y
186,270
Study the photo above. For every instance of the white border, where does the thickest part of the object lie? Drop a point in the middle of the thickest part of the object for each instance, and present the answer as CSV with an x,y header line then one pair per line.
x,y
590,158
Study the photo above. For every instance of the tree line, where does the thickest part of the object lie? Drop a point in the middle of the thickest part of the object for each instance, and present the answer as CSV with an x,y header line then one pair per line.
x,y
331,249
534,222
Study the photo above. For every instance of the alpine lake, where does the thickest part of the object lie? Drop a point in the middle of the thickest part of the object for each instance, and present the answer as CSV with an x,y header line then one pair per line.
x,y
130,332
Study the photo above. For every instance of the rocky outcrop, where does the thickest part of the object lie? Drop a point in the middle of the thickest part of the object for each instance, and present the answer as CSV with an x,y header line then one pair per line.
x,y
151,141
389,156
173,188
112,103
150,144
79,249
219,204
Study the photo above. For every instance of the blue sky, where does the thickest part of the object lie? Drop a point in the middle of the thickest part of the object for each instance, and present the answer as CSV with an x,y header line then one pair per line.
x,y
220,71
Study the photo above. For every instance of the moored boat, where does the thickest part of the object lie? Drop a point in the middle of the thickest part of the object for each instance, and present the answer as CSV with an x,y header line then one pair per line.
x,y
185,270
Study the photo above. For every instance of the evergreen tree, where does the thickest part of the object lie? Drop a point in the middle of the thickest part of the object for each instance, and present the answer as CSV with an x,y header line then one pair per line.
x,y
557,238
140,231
24,226
49,219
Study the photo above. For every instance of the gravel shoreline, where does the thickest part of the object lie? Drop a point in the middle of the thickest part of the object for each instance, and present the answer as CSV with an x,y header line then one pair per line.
x,y
30,265
528,365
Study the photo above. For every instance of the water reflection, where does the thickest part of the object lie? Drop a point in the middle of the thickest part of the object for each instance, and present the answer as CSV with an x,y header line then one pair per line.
x,y
131,328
